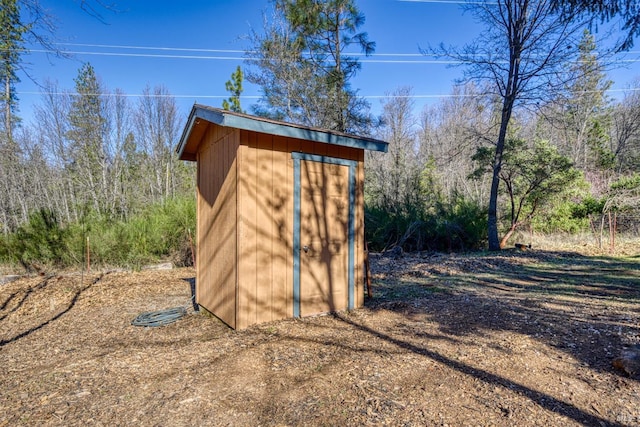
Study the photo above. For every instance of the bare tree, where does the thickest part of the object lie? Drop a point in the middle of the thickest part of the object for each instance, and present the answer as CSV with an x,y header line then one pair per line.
x,y
157,130
52,126
626,133
521,57
394,177
450,133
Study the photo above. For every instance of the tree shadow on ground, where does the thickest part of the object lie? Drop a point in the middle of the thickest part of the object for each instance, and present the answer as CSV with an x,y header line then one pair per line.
x,y
33,291
544,400
578,305
23,298
564,300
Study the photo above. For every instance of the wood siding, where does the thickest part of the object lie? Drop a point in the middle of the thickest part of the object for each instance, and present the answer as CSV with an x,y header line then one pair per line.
x,y
264,229
216,275
245,223
265,224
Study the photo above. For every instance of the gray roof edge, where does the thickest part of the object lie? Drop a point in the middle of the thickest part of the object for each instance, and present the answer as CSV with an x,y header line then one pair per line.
x,y
256,124
182,142
197,112
316,135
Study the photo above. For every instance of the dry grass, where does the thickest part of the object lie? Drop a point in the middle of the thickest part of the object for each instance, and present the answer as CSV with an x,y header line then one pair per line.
x,y
585,244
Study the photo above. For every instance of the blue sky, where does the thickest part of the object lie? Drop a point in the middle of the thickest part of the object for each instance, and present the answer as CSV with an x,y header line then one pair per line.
x,y
190,48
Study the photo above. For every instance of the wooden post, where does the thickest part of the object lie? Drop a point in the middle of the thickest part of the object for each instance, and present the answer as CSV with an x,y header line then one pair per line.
x,y
192,247
612,231
367,271
88,256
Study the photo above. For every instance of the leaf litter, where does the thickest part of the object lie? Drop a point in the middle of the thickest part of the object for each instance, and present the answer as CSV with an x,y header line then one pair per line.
x,y
486,339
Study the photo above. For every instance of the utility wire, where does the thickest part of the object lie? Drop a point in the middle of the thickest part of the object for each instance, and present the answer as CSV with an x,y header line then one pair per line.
x,y
418,96
190,49
238,58
237,52
231,51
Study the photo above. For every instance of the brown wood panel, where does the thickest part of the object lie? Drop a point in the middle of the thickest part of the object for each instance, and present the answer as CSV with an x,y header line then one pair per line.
x,y
205,201
227,230
265,235
282,214
247,231
359,237
216,271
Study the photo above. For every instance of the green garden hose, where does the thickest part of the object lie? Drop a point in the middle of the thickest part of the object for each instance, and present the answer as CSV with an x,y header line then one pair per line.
x,y
159,318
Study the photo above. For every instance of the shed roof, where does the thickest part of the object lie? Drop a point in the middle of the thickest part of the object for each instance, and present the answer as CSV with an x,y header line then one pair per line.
x,y
200,114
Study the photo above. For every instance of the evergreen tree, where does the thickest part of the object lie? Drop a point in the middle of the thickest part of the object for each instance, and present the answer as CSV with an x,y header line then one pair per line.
x,y
628,11
11,44
234,86
304,71
86,132
532,176
586,110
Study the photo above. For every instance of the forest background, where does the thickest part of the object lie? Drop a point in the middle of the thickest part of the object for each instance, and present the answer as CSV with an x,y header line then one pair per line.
x,y
98,171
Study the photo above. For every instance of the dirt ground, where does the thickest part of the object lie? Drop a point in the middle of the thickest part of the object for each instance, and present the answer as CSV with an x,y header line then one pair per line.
x,y
515,338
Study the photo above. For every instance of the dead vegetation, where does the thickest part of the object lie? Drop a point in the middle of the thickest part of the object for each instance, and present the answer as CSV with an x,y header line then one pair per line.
x,y
515,338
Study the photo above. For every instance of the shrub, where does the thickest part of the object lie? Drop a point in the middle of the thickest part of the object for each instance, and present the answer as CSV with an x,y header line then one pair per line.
x,y
459,225
160,232
463,225
42,240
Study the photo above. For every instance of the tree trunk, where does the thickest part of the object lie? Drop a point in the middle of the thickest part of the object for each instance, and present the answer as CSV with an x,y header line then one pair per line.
x,y
7,111
492,217
601,231
505,238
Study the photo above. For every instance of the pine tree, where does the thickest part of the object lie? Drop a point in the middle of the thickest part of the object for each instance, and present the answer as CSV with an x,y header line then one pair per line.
x,y
87,123
234,86
627,11
304,69
11,44
586,108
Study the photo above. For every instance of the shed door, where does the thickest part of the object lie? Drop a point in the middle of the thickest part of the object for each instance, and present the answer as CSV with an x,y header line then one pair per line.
x,y
324,203
324,216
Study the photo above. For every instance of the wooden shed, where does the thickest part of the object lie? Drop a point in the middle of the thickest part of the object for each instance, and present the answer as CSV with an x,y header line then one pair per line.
x,y
280,216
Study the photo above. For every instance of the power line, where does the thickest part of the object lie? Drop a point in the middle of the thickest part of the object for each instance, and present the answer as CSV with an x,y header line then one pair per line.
x,y
237,51
140,95
173,49
140,55
238,58
448,1
133,95
229,51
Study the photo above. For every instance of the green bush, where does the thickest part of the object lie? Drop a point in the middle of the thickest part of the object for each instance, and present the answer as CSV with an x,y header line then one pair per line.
x,y
5,256
160,232
565,217
463,225
42,240
459,225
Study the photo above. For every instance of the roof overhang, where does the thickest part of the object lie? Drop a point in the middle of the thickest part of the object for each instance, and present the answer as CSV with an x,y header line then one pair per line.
x,y
201,115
